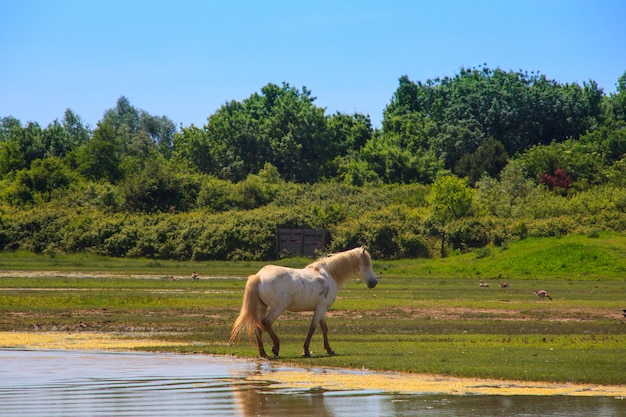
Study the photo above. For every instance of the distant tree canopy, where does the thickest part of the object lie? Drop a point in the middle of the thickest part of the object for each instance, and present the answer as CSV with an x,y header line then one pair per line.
x,y
516,109
484,157
472,124
281,126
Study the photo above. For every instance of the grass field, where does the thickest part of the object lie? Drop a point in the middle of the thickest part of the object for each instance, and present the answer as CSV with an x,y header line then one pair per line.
x,y
425,316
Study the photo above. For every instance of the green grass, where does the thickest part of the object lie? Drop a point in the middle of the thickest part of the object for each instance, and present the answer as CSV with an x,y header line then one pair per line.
x,y
576,257
424,316
573,257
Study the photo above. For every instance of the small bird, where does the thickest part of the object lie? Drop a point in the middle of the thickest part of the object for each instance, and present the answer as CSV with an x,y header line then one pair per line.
x,y
542,294
504,285
483,283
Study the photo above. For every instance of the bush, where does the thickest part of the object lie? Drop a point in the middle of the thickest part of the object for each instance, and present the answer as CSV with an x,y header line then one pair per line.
x,y
391,221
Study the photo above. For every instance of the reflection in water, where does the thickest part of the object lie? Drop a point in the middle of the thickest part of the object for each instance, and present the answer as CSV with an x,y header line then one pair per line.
x,y
54,383
265,402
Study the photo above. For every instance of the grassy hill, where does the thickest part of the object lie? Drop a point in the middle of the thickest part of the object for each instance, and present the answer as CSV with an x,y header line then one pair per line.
x,y
580,257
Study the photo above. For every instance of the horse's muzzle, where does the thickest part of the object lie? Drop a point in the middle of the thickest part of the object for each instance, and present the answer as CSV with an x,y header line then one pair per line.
x,y
372,283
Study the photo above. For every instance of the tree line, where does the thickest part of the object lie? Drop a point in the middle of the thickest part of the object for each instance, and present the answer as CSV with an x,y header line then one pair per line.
x,y
495,131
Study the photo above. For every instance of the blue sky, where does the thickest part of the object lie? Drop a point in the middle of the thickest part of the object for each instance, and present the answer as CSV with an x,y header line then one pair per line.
x,y
184,59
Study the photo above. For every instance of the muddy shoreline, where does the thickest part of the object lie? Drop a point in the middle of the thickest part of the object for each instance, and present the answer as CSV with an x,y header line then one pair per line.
x,y
325,378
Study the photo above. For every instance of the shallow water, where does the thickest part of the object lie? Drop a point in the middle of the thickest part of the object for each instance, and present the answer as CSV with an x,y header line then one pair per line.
x,y
68,384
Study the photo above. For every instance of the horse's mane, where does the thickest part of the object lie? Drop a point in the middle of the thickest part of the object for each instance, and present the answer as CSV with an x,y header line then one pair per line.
x,y
343,264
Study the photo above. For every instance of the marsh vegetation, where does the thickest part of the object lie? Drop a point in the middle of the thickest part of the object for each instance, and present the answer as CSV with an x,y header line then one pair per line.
x,y
425,316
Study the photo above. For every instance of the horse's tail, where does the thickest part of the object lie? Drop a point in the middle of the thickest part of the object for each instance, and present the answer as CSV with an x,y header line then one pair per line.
x,y
248,318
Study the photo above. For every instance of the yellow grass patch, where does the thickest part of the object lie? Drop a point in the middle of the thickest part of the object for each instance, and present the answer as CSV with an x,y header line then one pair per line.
x,y
430,384
77,341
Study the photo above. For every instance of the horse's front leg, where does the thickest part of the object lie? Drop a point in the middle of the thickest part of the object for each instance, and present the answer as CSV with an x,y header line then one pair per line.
x,y
317,316
325,333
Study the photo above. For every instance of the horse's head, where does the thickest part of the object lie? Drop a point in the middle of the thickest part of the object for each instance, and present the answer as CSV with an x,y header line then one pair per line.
x,y
365,272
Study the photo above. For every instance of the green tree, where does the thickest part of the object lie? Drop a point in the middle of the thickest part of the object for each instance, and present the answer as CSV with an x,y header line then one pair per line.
x,y
11,157
297,133
31,143
161,131
281,125
10,129
99,158
73,125
139,132
235,139
349,133
490,158
397,162
517,109
583,161
191,149
123,115
450,199
42,180
56,141
500,197
156,188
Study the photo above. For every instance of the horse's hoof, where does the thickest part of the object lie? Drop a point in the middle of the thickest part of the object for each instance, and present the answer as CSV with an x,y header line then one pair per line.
x,y
331,353
275,351
306,355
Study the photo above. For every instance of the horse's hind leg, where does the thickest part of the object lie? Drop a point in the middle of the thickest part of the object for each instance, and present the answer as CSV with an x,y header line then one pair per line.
x,y
274,312
261,310
325,334
275,340
259,342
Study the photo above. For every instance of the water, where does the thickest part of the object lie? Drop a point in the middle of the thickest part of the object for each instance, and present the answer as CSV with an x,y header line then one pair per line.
x,y
68,384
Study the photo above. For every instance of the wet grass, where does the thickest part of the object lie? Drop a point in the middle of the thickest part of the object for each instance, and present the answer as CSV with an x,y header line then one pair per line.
x,y
450,327
425,316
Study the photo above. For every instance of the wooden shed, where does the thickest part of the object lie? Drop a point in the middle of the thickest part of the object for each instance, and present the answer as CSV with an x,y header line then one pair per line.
x,y
301,242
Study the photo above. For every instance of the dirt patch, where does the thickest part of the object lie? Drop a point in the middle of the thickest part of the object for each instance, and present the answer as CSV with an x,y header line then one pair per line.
x,y
464,313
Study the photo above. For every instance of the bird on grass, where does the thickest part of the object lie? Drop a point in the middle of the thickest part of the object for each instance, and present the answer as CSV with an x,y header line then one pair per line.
x,y
542,294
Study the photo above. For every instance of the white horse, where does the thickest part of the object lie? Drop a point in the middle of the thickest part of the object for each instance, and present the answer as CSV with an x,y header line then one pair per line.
x,y
313,288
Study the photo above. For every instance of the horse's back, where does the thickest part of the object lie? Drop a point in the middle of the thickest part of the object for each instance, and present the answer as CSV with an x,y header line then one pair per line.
x,y
295,289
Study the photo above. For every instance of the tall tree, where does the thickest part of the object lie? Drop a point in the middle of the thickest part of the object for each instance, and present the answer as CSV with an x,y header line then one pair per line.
x,y
191,149
139,132
517,109
161,131
99,159
490,158
73,125
12,157
450,199
124,115
281,125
